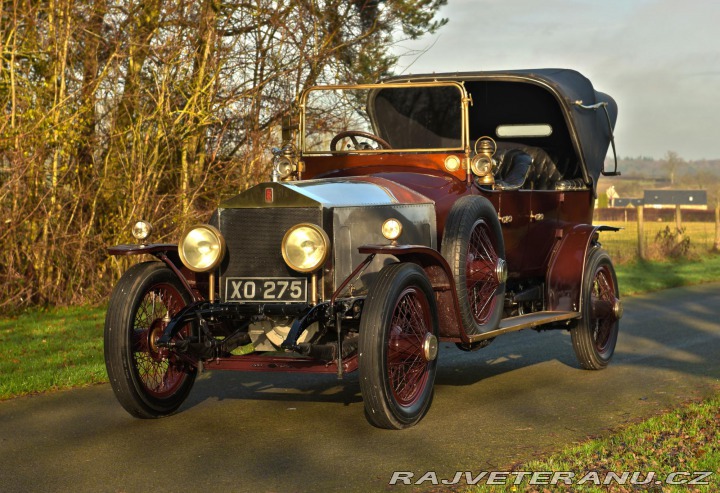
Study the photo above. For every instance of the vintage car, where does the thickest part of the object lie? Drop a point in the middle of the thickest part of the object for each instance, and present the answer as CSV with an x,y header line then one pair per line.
x,y
445,207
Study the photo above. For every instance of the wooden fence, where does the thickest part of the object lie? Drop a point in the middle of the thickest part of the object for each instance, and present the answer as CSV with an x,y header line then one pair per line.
x,y
650,233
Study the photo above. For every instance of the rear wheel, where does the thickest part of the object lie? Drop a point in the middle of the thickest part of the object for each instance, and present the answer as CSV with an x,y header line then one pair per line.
x,y
398,347
473,246
148,381
595,335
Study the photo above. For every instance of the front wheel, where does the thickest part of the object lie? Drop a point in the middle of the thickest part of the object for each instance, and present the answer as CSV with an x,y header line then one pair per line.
x,y
398,347
148,381
596,333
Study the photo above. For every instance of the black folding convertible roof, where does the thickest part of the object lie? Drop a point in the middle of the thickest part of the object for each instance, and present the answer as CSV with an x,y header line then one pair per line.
x,y
589,115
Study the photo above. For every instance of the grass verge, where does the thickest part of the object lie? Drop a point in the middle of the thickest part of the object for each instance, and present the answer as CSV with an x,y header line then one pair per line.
x,y
44,350
643,277
685,440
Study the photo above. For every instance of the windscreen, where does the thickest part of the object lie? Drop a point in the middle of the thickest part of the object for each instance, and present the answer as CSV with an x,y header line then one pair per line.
x,y
383,119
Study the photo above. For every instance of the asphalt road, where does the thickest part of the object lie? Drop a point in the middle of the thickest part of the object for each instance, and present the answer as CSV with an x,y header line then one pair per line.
x,y
521,396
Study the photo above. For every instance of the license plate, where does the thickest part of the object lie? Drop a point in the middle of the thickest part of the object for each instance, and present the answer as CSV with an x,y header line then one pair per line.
x,y
265,290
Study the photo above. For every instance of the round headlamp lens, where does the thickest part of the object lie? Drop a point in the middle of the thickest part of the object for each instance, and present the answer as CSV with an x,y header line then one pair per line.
x,y
481,165
391,229
284,167
141,230
202,248
305,247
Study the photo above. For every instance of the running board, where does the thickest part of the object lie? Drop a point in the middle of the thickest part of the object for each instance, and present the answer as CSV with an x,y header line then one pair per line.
x,y
528,321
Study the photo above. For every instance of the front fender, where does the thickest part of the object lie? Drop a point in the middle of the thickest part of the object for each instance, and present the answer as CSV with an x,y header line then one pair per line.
x,y
152,249
567,265
167,253
441,279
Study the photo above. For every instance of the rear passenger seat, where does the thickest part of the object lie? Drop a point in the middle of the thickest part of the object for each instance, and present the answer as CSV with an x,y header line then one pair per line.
x,y
529,168
514,167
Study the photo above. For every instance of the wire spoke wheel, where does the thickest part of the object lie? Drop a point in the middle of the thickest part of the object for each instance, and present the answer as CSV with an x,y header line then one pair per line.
x,y
473,246
148,381
406,364
596,333
480,273
602,321
398,347
159,373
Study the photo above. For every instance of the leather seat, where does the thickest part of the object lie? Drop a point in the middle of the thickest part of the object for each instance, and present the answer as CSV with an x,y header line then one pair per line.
x,y
526,167
514,166
544,171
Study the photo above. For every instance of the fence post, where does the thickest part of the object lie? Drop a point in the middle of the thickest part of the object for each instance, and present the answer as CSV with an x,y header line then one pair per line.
x,y
641,232
717,225
678,223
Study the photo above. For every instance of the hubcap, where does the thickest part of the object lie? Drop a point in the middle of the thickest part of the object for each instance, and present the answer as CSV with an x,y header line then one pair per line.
x,y
501,270
618,309
154,334
430,347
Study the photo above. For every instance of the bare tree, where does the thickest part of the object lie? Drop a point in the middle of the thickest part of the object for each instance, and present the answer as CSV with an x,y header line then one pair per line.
x,y
115,110
672,162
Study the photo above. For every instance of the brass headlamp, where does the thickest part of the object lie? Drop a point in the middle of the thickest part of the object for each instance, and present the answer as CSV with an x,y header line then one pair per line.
x,y
483,164
285,162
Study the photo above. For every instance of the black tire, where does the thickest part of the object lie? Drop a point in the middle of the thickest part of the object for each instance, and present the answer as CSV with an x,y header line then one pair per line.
x,y
147,382
595,335
472,231
398,347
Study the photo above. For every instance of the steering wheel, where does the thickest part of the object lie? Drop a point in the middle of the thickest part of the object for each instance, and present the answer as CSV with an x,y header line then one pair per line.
x,y
353,134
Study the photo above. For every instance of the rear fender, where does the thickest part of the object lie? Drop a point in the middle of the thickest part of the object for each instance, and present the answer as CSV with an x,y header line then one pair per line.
x,y
440,276
567,265
168,253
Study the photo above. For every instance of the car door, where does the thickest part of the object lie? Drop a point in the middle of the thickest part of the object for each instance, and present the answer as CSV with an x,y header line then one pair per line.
x,y
542,221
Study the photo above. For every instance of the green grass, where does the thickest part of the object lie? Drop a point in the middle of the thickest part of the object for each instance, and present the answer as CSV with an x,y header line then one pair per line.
x,y
51,349
644,277
687,439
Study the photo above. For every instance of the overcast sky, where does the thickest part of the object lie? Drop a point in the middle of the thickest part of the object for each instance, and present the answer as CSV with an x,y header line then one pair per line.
x,y
659,59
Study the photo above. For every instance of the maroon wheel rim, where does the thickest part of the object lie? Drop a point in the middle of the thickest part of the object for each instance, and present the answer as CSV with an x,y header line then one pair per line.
x,y
160,374
408,370
480,273
602,321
